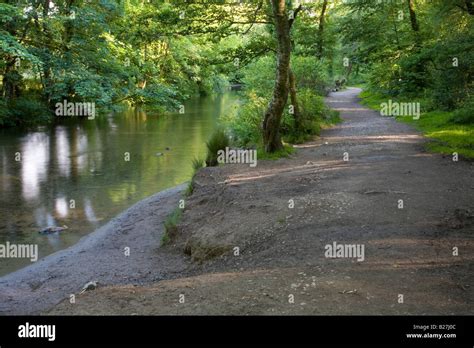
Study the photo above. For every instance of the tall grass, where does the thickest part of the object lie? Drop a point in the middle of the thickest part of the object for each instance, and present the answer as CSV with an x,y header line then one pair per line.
x,y
218,141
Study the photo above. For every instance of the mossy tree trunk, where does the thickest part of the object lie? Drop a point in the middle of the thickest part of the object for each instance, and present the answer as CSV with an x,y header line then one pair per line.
x,y
272,119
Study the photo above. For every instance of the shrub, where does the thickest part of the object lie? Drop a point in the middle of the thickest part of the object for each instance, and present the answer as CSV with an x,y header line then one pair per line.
x,y
310,74
312,113
245,125
219,141
25,111
464,115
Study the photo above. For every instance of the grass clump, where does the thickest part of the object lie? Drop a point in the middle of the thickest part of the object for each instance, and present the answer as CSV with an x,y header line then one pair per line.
x,y
171,226
285,152
218,141
197,164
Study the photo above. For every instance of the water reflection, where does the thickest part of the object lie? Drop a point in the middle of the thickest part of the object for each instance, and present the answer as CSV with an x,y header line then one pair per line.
x,y
34,164
61,207
75,174
63,151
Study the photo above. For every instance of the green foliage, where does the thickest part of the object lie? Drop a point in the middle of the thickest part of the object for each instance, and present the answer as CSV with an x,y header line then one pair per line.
x,y
434,62
218,141
450,131
107,52
448,135
312,113
311,74
23,111
245,124
197,164
259,76
452,84
464,115
285,152
171,226
259,79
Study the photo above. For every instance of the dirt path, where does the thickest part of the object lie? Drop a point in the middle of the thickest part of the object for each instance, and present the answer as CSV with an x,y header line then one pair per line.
x,y
281,250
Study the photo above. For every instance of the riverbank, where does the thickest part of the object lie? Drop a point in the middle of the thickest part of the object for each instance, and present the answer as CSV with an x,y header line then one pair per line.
x,y
99,256
253,240
82,173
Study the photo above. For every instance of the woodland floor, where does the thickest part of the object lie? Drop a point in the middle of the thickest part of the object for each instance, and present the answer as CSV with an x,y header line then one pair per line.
x,y
408,251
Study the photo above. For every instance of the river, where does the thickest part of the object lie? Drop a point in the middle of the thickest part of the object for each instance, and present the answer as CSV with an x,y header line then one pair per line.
x,y
76,173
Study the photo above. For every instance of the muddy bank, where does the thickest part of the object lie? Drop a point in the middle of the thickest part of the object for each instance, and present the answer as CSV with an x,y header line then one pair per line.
x,y
253,240
98,256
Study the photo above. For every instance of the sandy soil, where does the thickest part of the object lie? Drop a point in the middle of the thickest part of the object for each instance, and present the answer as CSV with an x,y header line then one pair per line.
x,y
281,250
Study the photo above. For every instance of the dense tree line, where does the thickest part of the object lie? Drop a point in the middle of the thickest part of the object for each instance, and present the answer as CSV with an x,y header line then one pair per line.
x,y
287,53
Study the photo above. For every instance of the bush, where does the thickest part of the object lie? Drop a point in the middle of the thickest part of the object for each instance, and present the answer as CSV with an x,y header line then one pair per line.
x,y
310,74
4,121
24,111
312,113
259,78
245,125
218,141
464,115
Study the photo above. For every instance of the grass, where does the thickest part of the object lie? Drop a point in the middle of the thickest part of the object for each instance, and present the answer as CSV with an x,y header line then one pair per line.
x,y
171,222
358,84
447,136
333,117
197,164
285,152
218,141
372,100
171,226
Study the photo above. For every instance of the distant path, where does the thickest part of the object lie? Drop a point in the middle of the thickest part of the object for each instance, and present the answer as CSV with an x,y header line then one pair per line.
x,y
408,251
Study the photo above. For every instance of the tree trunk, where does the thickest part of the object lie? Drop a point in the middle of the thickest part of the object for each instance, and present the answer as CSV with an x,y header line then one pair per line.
x,y
320,48
46,64
294,101
414,22
273,114
419,81
10,82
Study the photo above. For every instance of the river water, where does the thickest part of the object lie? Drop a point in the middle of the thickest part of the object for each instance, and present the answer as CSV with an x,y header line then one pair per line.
x,y
76,173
